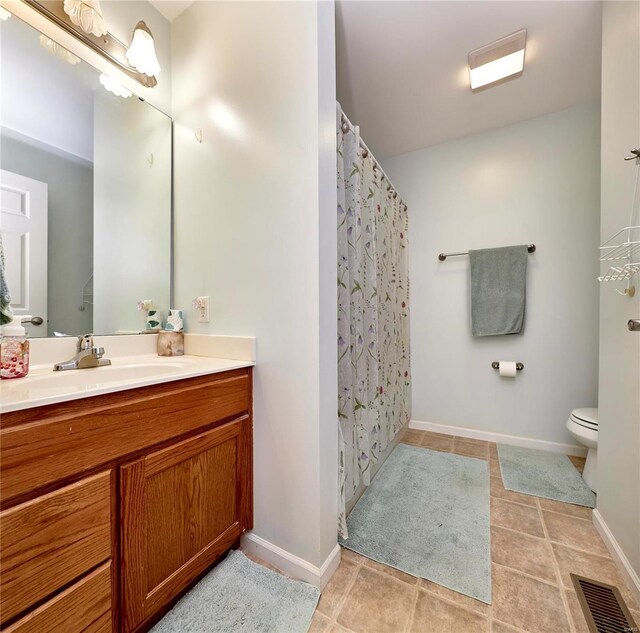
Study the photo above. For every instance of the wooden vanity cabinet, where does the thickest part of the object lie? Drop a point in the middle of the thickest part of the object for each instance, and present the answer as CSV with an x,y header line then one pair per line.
x,y
112,506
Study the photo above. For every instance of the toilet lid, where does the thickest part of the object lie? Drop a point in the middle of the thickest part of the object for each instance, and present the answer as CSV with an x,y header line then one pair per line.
x,y
589,417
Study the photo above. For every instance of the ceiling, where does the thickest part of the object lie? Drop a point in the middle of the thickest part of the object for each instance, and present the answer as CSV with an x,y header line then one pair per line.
x,y
171,9
402,66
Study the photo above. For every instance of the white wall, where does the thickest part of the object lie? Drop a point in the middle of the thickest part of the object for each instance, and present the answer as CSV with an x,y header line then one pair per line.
x,y
619,430
255,230
327,474
132,212
532,182
43,97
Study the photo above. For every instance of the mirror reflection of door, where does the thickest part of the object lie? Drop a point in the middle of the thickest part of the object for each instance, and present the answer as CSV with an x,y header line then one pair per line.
x,y
23,221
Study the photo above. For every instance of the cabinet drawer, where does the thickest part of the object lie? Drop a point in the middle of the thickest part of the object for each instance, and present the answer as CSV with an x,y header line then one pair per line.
x,y
82,608
46,444
52,540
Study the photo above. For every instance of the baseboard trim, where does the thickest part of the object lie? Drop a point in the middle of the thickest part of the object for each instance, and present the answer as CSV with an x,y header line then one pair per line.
x,y
501,438
628,573
290,564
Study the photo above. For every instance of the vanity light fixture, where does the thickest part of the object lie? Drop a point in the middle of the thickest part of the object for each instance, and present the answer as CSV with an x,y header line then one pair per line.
x,y
82,18
113,86
497,62
59,51
142,52
87,14
4,14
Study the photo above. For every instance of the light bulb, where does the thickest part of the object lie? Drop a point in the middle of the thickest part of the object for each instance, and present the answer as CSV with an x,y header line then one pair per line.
x,y
113,86
86,14
4,14
142,52
59,51
497,69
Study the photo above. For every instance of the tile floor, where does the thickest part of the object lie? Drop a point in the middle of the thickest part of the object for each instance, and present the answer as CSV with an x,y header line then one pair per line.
x,y
535,544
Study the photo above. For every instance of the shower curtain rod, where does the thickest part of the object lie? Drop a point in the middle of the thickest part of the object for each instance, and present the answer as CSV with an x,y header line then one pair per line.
x,y
349,126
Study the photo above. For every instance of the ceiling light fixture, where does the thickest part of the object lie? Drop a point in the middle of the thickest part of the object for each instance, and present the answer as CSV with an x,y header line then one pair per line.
x,y
86,14
113,86
59,51
497,62
142,52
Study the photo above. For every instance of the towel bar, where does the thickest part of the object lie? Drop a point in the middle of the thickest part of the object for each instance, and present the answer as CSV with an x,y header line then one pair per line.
x,y
531,248
496,365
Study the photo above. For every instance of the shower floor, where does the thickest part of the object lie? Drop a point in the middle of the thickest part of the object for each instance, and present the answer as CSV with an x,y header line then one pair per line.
x,y
536,544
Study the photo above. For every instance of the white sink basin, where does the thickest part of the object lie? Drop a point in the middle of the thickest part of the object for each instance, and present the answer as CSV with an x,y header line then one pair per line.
x,y
98,376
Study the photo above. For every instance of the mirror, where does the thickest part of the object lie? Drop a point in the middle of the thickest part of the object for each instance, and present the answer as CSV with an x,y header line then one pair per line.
x,y
85,192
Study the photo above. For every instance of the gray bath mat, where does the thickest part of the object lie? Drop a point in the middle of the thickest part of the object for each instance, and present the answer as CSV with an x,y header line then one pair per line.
x,y
543,474
240,596
427,513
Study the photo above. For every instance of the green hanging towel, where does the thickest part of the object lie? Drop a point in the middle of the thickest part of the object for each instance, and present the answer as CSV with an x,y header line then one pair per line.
x,y
498,290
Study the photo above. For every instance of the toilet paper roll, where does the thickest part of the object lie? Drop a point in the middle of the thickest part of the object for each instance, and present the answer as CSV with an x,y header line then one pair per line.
x,y
507,368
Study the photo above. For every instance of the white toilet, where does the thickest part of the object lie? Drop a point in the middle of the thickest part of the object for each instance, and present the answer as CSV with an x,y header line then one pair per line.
x,y
583,425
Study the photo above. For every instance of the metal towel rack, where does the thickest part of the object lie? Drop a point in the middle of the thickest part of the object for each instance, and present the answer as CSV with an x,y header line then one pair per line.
x,y
624,245
531,248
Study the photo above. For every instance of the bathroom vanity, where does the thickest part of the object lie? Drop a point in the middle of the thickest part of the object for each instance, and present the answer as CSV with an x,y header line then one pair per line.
x,y
114,504
120,485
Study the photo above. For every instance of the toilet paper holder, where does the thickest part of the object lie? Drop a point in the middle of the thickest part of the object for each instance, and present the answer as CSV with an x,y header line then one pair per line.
x,y
496,365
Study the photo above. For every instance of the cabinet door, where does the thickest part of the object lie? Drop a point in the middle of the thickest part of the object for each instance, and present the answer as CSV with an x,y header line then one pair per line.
x,y
182,507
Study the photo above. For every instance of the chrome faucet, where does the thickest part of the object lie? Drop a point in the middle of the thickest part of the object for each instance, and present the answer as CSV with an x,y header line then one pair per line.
x,y
87,356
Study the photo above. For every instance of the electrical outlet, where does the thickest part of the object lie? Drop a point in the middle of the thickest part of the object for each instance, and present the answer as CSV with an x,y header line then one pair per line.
x,y
201,304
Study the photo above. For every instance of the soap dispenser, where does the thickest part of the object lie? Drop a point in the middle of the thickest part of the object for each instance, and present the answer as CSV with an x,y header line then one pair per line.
x,y
14,349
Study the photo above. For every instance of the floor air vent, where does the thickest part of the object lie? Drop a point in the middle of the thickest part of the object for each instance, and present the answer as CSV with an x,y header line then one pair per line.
x,y
603,606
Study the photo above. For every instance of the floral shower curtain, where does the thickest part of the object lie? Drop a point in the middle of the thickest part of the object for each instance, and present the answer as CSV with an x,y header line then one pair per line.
x,y
374,374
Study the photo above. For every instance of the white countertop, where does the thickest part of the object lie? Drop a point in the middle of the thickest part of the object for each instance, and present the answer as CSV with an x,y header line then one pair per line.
x,y
133,364
44,386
